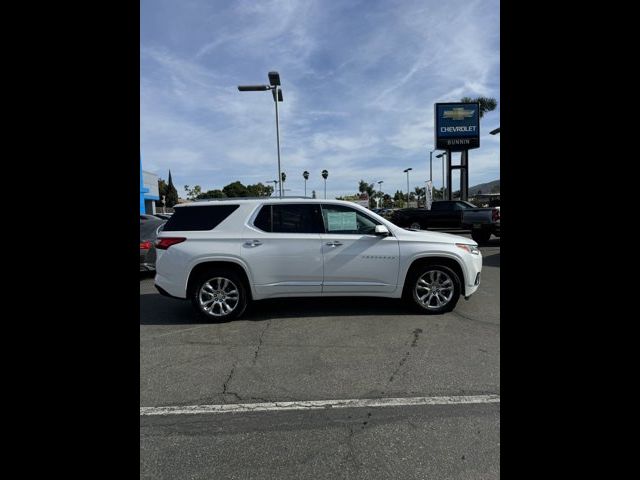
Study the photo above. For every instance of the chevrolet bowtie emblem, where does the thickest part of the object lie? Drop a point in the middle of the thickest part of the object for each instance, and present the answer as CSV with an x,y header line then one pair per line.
x,y
458,113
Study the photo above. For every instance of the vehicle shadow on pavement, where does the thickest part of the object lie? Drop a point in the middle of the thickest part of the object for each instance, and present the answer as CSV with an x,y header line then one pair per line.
x,y
158,310
492,242
325,307
491,260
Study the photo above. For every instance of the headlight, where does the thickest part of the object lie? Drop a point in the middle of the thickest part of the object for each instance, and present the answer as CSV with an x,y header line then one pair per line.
x,y
472,249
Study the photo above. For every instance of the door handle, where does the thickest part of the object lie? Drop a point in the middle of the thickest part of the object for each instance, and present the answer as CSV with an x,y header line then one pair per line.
x,y
334,243
253,243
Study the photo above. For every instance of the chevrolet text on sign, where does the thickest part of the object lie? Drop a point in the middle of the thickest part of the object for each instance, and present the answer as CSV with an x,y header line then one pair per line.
x,y
457,126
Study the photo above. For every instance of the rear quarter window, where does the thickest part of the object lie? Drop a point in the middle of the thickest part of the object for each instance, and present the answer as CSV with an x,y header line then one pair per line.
x,y
205,217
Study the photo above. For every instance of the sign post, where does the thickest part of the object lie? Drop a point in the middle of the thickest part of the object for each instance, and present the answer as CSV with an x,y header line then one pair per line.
x,y
428,195
457,129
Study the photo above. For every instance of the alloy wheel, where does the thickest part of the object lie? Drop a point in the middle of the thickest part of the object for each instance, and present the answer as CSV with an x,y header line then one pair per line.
x,y
434,289
218,297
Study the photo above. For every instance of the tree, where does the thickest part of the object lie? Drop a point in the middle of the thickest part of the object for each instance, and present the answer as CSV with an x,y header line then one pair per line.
x,y
235,189
260,190
172,194
162,191
313,194
193,193
486,104
368,188
211,194
373,199
398,199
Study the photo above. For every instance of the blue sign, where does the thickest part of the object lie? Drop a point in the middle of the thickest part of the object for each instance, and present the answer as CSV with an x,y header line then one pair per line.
x,y
457,126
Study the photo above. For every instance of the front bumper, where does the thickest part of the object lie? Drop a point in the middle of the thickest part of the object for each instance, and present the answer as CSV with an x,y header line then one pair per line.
x,y
473,264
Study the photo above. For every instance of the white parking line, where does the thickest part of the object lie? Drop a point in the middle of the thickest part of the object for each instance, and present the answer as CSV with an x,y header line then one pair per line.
x,y
318,405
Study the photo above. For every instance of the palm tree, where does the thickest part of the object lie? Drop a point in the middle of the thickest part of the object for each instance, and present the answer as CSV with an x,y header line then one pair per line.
x,y
486,104
325,174
305,174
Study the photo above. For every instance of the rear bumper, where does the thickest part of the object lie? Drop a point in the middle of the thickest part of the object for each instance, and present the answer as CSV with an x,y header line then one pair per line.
x,y
165,293
172,288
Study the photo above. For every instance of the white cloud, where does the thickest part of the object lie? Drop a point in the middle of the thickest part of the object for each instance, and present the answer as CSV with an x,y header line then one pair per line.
x,y
359,82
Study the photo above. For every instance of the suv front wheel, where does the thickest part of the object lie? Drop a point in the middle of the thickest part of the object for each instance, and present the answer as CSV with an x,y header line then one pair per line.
x,y
434,289
219,295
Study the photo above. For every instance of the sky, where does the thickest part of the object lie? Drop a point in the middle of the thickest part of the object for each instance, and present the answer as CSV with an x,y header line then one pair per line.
x,y
359,80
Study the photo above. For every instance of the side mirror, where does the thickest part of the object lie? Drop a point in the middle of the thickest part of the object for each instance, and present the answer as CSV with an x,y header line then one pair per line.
x,y
382,230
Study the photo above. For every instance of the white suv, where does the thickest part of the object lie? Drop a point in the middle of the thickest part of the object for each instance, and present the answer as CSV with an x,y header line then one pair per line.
x,y
223,254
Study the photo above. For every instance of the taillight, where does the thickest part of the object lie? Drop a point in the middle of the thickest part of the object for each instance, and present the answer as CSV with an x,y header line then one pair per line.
x,y
166,242
145,245
496,215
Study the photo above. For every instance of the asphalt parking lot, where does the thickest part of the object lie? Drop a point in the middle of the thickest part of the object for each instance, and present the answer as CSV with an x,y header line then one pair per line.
x,y
322,349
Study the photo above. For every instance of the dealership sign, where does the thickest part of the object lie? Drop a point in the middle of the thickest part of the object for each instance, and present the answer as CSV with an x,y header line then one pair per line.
x,y
457,126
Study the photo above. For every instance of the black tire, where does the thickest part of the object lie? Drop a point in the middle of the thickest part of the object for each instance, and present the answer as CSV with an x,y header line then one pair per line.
x,y
217,311
481,236
444,273
415,224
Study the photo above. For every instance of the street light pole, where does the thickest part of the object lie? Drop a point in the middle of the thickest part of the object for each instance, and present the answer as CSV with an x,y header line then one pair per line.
x,y
443,179
442,156
407,172
275,100
276,91
431,165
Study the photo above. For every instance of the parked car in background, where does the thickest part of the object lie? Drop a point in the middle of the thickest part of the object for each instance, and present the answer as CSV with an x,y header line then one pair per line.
x,y
451,215
386,213
149,227
223,254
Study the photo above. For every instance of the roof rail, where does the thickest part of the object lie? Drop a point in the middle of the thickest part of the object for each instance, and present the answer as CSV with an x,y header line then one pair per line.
x,y
247,198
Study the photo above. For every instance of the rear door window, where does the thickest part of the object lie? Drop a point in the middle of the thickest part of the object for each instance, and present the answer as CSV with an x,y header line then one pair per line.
x,y
205,217
290,218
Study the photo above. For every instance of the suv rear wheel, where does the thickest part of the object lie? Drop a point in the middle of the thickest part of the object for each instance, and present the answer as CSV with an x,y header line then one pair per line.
x,y
434,289
219,295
